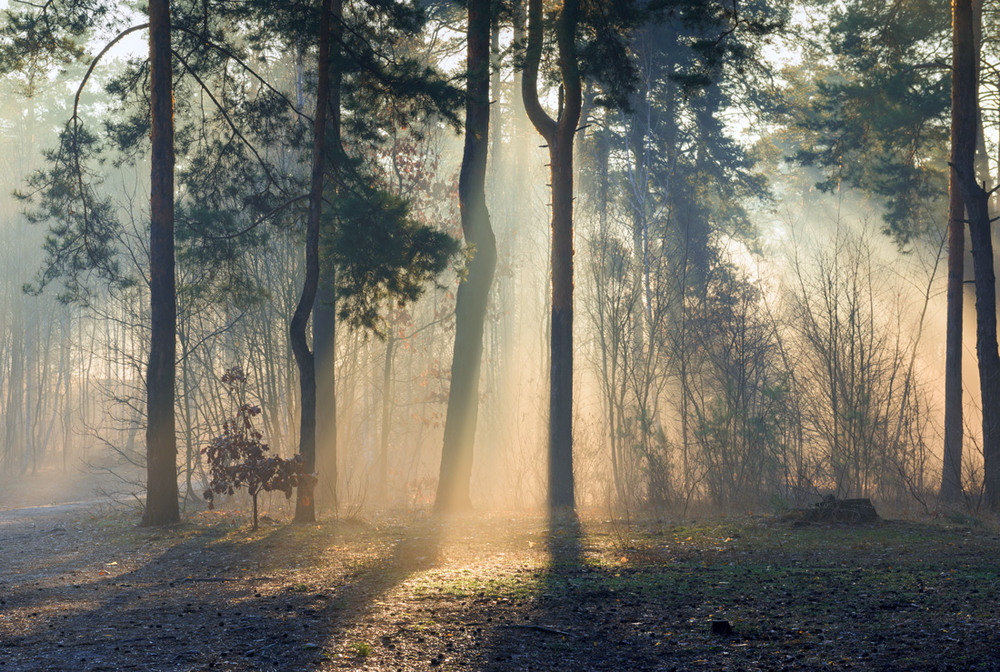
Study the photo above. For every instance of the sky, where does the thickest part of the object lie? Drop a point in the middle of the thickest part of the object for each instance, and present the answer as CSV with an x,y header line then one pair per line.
x,y
130,45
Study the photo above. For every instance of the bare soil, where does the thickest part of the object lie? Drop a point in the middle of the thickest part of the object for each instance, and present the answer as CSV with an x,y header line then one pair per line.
x,y
84,589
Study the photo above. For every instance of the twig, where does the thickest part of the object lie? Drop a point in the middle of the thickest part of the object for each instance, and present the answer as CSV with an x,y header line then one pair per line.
x,y
540,628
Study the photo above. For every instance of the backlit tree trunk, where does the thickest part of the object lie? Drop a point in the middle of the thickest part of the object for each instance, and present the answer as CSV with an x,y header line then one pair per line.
x,y
976,207
473,293
951,476
559,133
325,310
305,505
161,446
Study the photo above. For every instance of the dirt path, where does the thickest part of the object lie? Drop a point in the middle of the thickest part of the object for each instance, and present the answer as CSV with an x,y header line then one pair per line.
x,y
82,591
78,485
53,511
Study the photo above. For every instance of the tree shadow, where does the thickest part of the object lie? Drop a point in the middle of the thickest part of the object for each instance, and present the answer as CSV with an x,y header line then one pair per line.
x,y
212,600
564,540
527,620
416,551
585,610
550,627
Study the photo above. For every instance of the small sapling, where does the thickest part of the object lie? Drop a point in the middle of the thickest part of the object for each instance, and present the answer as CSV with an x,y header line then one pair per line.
x,y
238,457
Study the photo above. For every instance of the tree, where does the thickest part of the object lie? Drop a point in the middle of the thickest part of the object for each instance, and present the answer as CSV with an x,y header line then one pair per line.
x,y
683,188
324,310
976,199
161,505
860,397
559,134
598,43
237,458
161,444
240,137
378,91
877,120
305,506
473,293
86,234
951,471
891,97
55,29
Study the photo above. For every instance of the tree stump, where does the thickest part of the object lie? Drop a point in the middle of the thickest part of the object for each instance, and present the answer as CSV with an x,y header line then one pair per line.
x,y
833,510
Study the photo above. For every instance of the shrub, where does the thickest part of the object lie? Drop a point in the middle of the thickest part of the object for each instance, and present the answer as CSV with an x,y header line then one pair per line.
x,y
238,457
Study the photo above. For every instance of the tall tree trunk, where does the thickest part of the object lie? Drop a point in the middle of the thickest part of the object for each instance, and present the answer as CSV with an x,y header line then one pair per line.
x,y
66,365
325,310
951,475
161,444
473,293
305,504
382,463
559,133
976,200
14,412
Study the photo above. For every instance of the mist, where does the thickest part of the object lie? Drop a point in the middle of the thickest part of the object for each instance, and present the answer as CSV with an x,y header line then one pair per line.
x,y
743,338
501,334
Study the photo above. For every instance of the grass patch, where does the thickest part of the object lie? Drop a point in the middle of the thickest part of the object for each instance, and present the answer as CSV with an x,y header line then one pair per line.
x,y
360,649
513,585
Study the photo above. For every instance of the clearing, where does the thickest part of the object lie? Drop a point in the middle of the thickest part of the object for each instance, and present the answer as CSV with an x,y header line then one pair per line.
x,y
81,588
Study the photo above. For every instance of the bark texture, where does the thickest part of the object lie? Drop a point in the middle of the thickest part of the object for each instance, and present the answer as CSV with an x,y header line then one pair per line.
x,y
559,133
305,505
951,475
161,506
325,308
965,108
473,293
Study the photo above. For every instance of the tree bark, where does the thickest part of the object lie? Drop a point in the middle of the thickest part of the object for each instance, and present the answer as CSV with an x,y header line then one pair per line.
x,y
382,463
951,474
325,310
965,106
305,505
473,293
559,133
161,445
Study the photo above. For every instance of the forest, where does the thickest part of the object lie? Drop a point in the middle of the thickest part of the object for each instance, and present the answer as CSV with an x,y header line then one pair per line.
x,y
499,334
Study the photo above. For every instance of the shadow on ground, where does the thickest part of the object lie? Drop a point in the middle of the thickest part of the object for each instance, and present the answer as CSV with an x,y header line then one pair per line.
x,y
205,599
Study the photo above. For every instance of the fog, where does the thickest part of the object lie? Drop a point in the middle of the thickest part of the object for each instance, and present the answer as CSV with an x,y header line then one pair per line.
x,y
743,339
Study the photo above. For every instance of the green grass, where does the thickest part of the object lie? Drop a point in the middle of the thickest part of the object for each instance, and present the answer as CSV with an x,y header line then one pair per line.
x,y
516,585
360,649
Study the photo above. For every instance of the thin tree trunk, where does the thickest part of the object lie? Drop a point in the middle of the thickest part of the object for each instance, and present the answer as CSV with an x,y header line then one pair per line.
x,y
190,453
161,444
382,465
67,409
951,476
305,505
14,420
325,310
559,134
473,293
976,206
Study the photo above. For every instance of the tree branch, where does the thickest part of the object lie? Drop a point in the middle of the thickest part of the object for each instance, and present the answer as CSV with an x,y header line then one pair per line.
x,y
222,110
263,218
543,123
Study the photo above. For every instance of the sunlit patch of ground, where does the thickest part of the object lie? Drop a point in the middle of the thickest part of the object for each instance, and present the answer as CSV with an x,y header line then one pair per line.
x,y
496,592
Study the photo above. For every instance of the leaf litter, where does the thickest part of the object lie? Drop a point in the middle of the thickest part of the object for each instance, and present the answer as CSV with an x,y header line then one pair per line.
x,y
493,592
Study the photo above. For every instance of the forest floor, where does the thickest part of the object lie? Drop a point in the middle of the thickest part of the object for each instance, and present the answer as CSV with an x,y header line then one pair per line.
x,y
82,588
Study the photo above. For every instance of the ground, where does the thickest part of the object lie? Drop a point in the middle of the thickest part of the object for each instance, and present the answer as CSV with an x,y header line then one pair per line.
x,y
82,588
